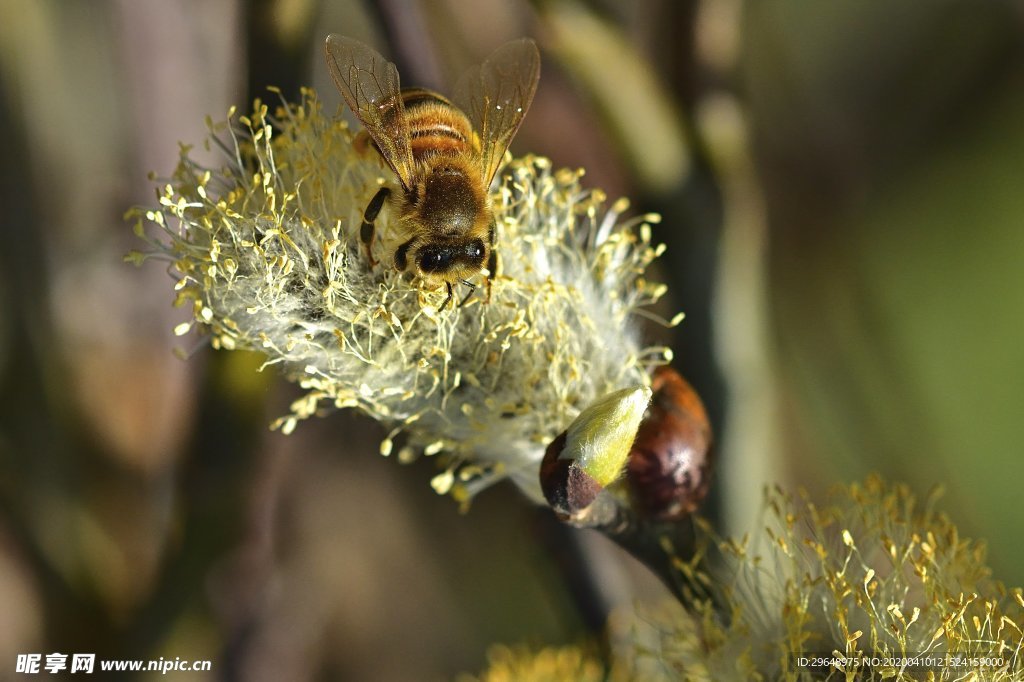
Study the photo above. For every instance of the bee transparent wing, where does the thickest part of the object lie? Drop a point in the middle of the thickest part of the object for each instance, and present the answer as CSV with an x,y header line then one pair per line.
x,y
496,94
369,84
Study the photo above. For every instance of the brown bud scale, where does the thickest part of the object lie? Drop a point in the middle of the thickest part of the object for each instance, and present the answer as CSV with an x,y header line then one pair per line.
x,y
669,467
567,488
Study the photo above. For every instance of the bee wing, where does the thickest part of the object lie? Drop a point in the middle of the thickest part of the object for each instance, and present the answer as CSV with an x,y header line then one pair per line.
x,y
369,84
496,94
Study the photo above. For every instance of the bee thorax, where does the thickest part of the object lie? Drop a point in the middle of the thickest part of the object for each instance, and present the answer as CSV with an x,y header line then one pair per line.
x,y
448,205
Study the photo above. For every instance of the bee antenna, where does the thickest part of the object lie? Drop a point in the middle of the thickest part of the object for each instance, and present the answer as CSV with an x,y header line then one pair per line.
x,y
472,288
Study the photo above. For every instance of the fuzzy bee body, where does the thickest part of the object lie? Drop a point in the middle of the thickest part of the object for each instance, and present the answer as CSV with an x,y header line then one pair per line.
x,y
444,154
436,126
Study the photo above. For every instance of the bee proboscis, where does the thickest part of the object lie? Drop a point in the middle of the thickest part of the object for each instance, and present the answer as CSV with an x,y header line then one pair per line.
x,y
444,153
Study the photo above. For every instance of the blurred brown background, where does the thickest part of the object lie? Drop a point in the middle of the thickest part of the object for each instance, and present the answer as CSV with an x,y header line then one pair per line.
x,y
841,185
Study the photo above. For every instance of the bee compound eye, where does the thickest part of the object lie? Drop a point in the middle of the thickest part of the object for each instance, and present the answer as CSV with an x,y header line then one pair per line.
x,y
433,260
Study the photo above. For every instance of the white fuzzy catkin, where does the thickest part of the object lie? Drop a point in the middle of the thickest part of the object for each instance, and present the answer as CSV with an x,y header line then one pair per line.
x,y
267,251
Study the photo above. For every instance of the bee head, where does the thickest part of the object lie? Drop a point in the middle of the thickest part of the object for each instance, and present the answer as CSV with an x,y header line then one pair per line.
x,y
449,219
451,260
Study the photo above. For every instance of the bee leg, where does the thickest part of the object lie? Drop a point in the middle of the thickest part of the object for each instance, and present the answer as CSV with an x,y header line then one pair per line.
x,y
472,288
492,269
370,215
401,256
447,300
492,265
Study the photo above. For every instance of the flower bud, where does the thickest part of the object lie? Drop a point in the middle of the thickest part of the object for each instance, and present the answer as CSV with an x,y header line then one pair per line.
x,y
590,455
653,452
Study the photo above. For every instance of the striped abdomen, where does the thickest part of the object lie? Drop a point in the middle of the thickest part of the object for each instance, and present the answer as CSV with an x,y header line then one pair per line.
x,y
436,126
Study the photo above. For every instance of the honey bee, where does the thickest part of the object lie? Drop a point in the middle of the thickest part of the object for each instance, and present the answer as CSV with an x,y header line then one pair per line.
x,y
444,153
